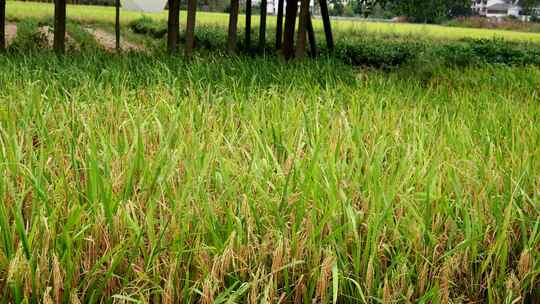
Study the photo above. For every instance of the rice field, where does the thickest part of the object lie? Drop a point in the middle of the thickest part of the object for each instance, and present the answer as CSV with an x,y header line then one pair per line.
x,y
147,178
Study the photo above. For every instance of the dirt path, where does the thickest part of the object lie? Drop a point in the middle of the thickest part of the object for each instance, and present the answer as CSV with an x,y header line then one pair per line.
x,y
104,38
108,41
11,32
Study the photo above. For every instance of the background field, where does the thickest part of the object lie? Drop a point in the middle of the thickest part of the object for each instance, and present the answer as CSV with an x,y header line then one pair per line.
x,y
146,178
17,10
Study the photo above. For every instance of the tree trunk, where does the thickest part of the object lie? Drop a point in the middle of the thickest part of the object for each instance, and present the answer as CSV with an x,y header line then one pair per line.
x,y
59,26
279,25
173,26
2,25
302,25
233,23
248,25
117,26
311,37
190,27
262,25
290,23
326,23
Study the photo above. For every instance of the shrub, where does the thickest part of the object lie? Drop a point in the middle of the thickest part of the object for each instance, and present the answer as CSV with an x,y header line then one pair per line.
x,y
377,52
28,37
148,26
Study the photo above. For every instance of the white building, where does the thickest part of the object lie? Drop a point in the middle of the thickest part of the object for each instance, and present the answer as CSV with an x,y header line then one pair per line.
x,y
498,8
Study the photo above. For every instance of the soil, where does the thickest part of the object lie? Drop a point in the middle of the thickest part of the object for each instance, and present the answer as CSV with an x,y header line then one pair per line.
x,y
108,41
46,31
11,32
103,38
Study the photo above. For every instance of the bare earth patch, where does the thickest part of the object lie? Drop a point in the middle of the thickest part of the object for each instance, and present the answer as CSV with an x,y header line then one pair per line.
x,y
108,41
46,31
11,32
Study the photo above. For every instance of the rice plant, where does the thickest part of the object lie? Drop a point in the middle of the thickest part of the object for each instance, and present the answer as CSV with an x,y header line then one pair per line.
x,y
147,178
137,178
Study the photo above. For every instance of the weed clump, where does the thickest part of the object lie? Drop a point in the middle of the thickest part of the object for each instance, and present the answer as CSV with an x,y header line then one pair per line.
x,y
148,26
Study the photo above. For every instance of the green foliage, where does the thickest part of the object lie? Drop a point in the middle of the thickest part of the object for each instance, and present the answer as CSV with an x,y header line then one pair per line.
x,y
374,52
144,177
384,51
430,11
82,37
336,7
150,178
530,7
358,48
148,26
28,37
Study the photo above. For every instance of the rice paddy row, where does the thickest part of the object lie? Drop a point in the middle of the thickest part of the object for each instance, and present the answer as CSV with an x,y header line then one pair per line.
x,y
138,178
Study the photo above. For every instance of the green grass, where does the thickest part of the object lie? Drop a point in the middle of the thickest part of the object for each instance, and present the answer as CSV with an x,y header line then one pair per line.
x,y
92,14
147,178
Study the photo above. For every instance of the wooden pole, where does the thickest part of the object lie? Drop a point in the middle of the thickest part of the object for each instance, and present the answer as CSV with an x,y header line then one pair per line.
x,y
173,26
2,25
290,22
248,25
279,25
190,26
233,24
59,26
302,29
326,24
117,25
311,37
262,26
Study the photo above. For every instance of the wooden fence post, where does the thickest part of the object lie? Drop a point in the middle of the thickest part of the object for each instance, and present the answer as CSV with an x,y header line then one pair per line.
x,y
290,23
117,26
311,37
326,23
233,24
262,25
59,26
2,25
302,25
190,26
248,25
173,26
279,25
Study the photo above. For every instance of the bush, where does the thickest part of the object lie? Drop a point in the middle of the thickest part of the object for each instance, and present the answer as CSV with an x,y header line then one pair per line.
x,y
375,52
28,37
390,53
348,11
147,26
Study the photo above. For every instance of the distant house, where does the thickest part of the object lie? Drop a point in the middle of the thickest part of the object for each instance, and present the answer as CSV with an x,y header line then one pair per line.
x,y
498,8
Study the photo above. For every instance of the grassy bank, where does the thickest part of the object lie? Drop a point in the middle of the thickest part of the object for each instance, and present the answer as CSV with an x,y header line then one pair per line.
x,y
93,14
137,178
